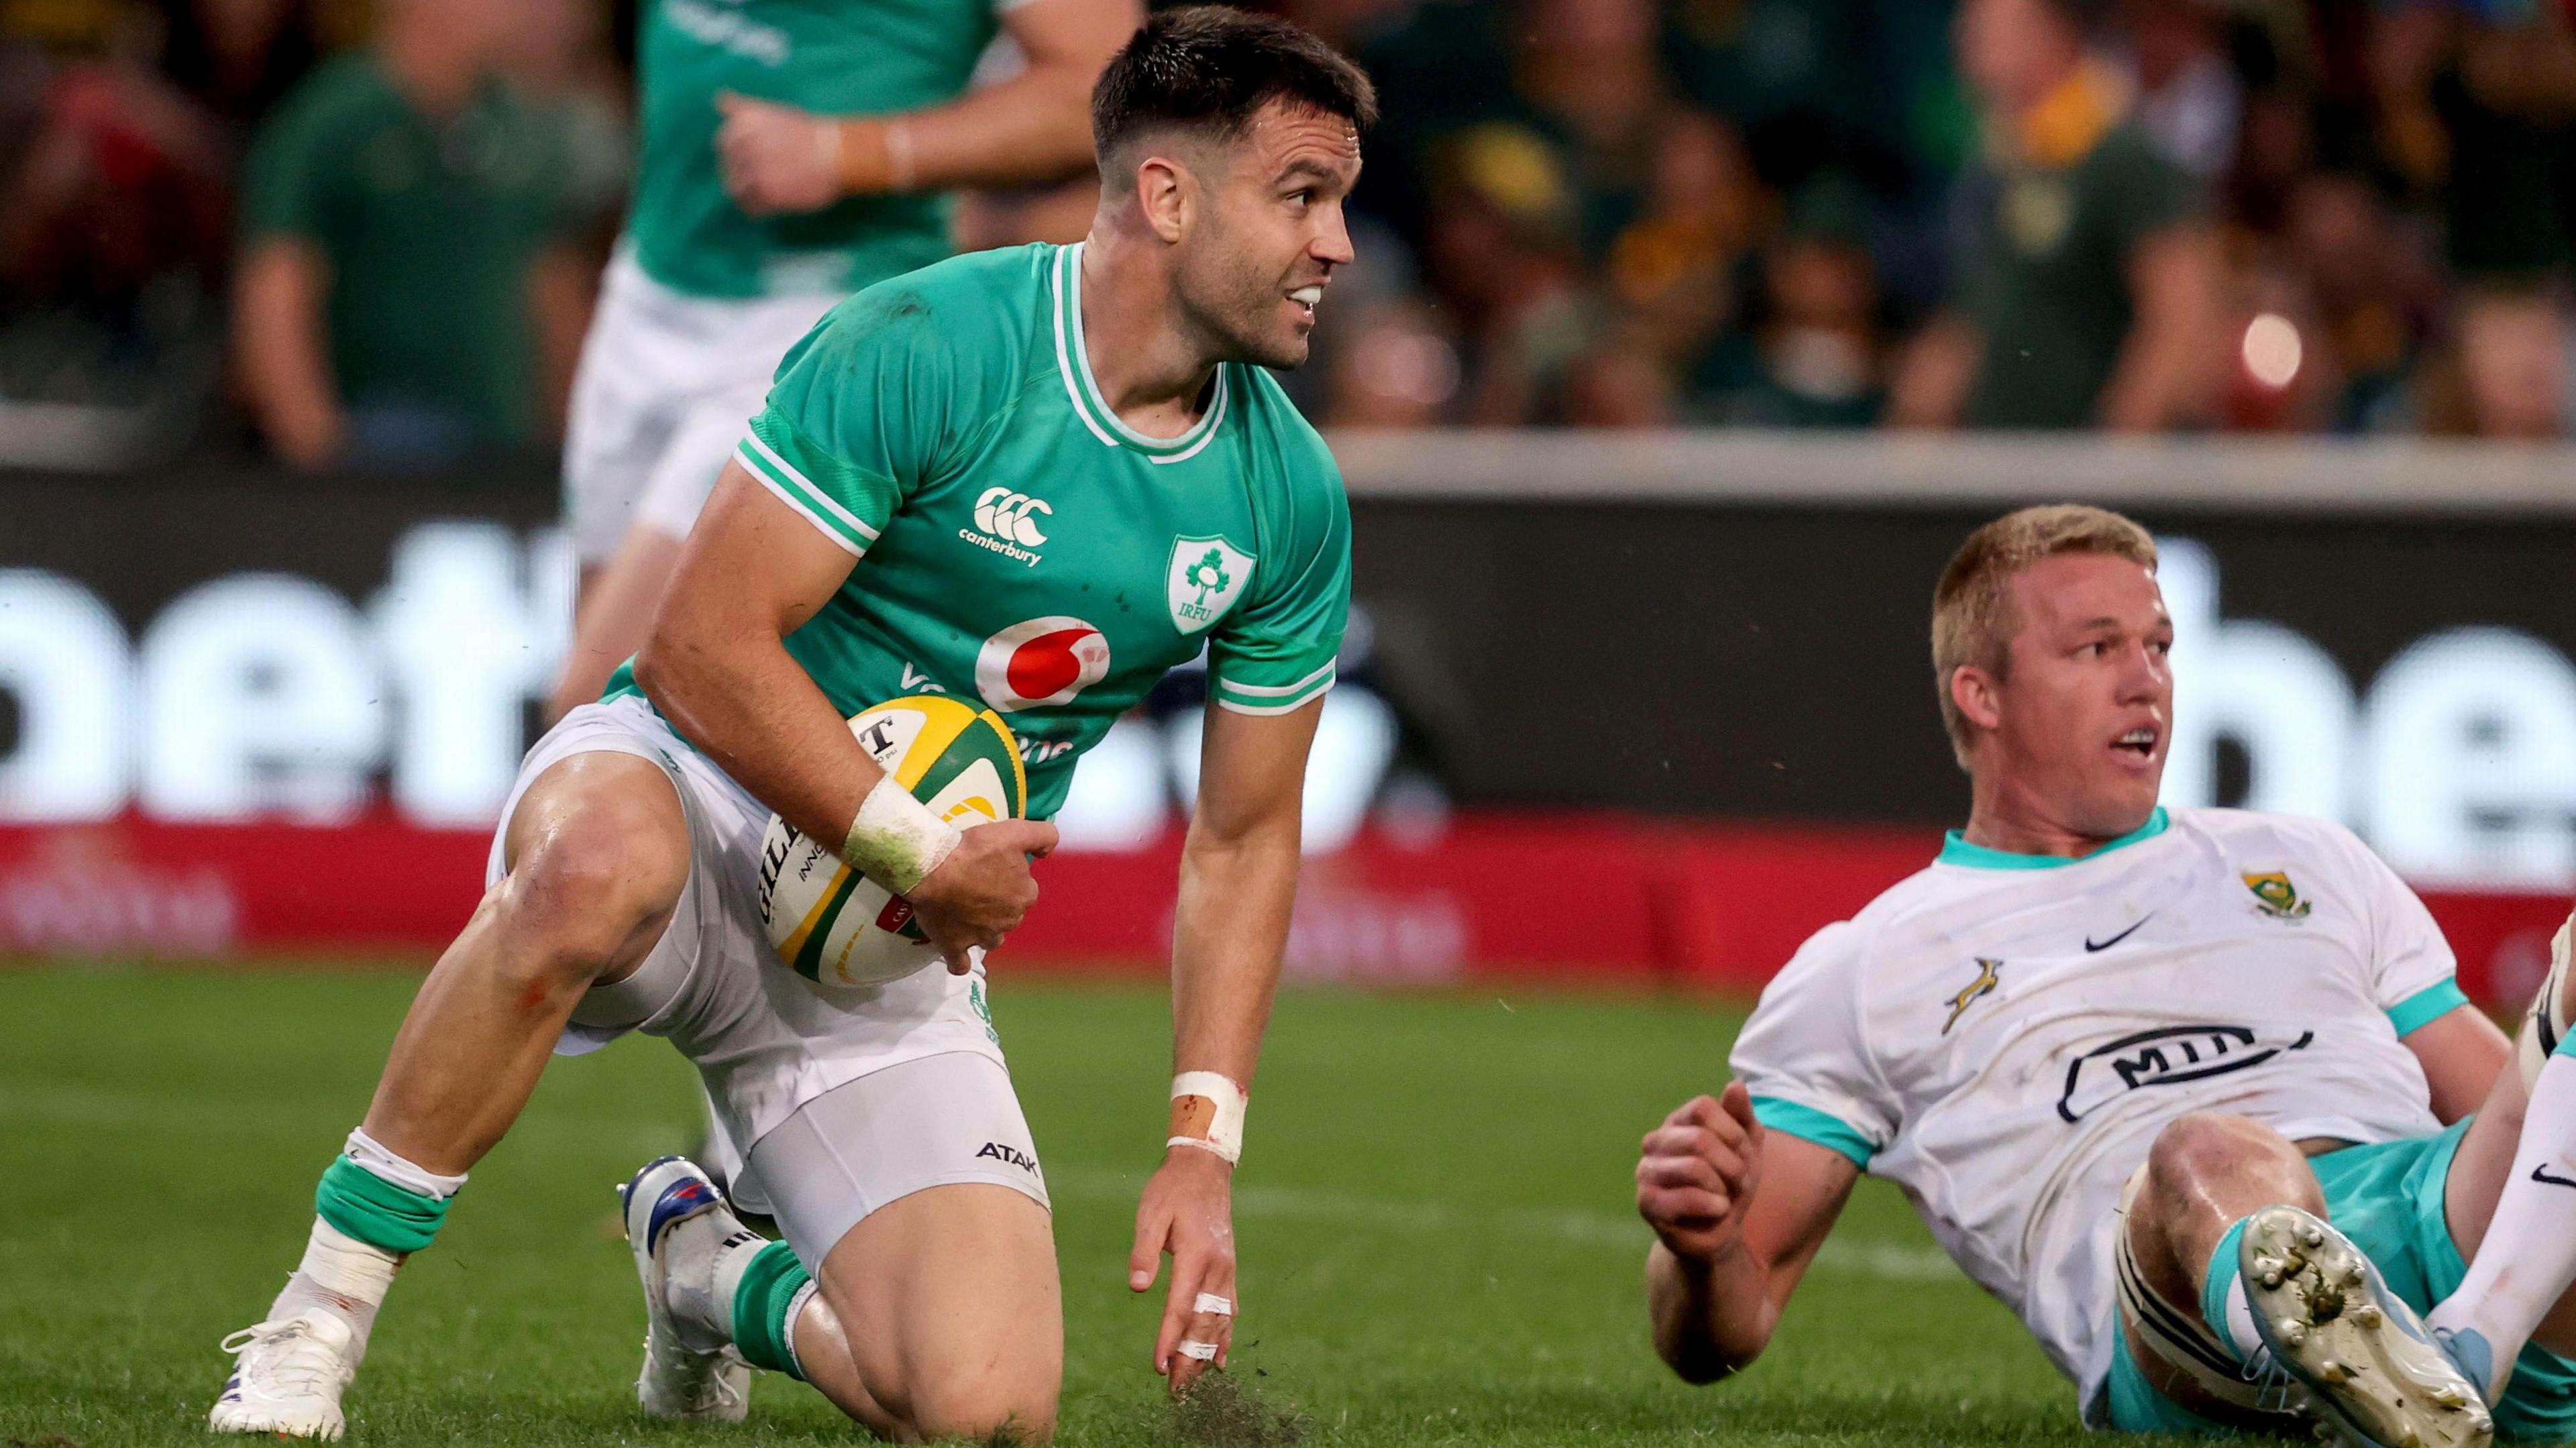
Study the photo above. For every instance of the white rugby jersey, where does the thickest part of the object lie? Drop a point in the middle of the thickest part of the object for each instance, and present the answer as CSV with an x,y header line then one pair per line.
x,y
2003,1035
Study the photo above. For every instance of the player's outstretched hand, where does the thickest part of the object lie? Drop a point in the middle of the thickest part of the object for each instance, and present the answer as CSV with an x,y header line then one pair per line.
x,y
1698,1171
978,894
777,158
1188,1212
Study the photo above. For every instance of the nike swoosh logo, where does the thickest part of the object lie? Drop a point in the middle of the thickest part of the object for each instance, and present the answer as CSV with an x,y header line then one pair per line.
x,y
2091,945
2541,1174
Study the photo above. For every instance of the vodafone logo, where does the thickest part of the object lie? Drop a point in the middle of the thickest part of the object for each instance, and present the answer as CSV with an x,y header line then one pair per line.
x,y
1044,661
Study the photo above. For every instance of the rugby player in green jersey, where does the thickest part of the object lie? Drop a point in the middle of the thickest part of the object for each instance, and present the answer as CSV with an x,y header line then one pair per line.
x,y
793,152
1034,479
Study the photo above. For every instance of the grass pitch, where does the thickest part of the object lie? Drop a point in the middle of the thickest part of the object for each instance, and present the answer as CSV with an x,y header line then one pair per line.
x,y
1438,1245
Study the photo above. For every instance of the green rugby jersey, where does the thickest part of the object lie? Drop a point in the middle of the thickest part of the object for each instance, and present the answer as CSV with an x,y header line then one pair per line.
x,y
1020,545
836,57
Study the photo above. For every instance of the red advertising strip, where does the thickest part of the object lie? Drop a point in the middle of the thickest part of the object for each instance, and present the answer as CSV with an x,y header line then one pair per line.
x,y
1580,896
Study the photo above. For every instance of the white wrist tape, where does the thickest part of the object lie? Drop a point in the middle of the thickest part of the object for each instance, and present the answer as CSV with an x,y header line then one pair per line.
x,y
1207,1112
896,840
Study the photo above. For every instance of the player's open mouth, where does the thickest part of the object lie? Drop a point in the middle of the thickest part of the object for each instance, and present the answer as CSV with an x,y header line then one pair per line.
x,y
1306,298
2140,741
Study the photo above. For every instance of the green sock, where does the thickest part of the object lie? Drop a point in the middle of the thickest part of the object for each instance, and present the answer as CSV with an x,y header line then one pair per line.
x,y
360,1204
774,1287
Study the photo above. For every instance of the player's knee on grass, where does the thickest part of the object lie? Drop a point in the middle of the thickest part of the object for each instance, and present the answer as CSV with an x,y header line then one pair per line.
x,y
600,855
985,1403
950,1303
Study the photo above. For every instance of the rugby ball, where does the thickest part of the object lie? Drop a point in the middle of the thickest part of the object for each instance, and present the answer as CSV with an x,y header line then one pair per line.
x,y
833,925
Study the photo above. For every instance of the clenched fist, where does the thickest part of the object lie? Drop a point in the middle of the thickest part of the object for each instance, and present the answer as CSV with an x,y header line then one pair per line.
x,y
1697,1173
777,158
980,892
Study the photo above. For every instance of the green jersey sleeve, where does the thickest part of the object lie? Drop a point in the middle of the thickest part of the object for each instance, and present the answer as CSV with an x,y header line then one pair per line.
x,y
286,181
1274,654
867,406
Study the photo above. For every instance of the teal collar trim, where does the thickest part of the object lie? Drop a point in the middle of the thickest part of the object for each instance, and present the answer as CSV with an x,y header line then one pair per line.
x,y
1955,850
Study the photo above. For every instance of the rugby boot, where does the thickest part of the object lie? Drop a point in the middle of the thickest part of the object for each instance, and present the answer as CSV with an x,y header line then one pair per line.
x,y
677,1223
2373,1376
287,1378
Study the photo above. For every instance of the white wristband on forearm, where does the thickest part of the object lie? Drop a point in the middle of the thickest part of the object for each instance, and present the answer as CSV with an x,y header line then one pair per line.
x,y
1207,1112
896,840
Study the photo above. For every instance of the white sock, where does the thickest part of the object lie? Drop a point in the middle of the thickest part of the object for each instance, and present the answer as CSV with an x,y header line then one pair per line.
x,y
2529,1256
2239,1328
341,1277
708,1305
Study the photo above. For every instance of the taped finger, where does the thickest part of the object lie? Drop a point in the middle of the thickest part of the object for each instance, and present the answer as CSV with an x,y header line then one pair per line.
x,y
1191,1347
1213,1305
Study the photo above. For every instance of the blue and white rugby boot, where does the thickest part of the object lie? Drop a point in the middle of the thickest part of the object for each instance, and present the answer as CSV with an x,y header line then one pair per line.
x,y
678,1223
287,1378
2374,1377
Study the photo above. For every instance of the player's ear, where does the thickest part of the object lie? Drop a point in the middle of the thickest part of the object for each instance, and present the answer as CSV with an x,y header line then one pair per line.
x,y
1167,195
1975,692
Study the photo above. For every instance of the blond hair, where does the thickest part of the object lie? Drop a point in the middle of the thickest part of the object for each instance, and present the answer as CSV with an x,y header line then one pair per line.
x,y
1972,624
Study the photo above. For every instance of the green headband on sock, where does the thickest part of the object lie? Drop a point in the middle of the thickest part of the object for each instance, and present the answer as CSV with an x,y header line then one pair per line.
x,y
391,1218
764,1330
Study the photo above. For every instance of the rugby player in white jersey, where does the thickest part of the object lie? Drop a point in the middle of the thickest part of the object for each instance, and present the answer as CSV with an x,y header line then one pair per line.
x,y
2129,1063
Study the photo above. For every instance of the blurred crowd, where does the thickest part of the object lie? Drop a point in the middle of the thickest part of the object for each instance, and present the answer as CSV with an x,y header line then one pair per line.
x,y
335,229
323,230
2318,215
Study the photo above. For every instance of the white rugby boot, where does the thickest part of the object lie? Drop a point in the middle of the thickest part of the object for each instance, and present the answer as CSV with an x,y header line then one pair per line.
x,y
677,1222
287,1378
2374,1377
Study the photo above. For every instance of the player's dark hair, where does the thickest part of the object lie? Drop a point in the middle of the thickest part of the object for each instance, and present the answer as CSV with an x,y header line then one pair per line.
x,y
1211,68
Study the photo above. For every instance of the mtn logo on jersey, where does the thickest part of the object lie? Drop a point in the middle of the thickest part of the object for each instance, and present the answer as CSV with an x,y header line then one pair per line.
x,y
1006,523
1205,577
1040,662
2166,1056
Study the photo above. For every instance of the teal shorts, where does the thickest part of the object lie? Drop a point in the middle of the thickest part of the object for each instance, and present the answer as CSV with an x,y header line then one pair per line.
x,y
2388,1199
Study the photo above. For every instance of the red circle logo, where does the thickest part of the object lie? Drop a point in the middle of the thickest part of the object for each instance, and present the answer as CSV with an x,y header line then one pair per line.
x,y
1039,662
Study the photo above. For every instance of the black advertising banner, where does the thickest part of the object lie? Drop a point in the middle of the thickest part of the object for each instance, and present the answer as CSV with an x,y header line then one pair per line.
x,y
223,646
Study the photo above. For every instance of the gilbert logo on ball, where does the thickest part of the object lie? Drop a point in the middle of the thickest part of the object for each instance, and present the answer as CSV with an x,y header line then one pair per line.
x,y
833,925
1041,661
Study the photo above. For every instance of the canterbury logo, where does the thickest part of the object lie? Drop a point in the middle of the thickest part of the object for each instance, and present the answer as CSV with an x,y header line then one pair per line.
x,y
1009,516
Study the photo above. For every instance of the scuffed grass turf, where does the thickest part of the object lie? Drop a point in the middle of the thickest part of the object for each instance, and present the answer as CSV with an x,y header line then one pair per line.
x,y
1437,1240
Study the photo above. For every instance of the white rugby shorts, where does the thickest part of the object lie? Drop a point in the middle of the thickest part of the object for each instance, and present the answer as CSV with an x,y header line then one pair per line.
x,y
666,385
766,1040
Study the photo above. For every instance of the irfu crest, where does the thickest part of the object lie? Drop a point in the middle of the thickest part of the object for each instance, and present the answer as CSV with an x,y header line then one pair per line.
x,y
1204,578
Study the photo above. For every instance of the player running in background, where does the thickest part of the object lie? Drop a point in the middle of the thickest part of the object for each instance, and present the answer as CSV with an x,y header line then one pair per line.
x,y
867,541
793,152
2126,1061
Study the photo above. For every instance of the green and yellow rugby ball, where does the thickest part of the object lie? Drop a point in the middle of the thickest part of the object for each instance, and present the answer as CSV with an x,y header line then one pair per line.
x,y
835,926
